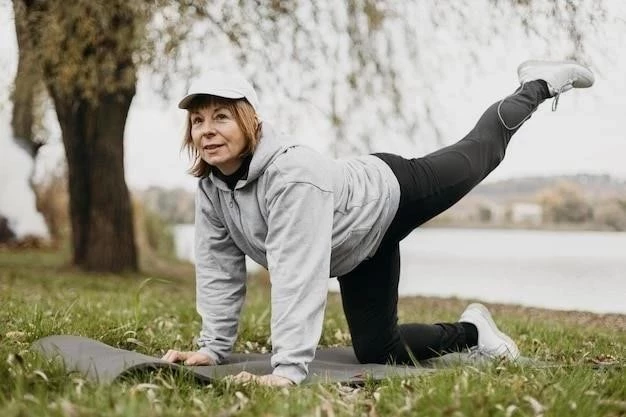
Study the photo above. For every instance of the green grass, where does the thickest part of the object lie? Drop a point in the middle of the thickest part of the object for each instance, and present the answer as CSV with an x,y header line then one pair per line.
x,y
40,296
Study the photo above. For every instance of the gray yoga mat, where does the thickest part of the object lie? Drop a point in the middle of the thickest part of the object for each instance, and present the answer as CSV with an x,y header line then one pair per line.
x,y
102,363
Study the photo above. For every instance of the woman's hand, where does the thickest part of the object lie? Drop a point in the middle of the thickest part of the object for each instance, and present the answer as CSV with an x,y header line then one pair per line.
x,y
188,358
268,380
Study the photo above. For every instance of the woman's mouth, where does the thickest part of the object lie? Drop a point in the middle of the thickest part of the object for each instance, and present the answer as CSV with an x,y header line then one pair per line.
x,y
210,148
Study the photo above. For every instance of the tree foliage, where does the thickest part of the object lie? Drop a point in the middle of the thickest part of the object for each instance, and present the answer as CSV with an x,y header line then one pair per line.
x,y
367,66
87,48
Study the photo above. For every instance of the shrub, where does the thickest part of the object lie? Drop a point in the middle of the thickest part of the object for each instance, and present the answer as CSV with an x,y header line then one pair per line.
x,y
153,235
611,214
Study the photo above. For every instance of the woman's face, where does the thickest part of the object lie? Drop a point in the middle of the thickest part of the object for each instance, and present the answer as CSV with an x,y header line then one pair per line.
x,y
217,137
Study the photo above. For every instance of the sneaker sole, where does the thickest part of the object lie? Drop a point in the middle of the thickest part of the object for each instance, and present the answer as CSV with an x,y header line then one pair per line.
x,y
587,77
487,315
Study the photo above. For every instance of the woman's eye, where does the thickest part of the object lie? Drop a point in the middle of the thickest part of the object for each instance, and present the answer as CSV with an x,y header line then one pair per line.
x,y
196,120
221,116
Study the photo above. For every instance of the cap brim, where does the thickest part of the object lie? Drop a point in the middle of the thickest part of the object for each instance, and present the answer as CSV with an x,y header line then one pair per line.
x,y
184,103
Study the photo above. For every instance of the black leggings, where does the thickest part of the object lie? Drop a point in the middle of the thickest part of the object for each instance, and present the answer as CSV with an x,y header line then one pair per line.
x,y
428,186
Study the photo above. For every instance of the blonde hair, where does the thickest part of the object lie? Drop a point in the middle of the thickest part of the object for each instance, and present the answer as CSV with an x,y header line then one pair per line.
x,y
245,117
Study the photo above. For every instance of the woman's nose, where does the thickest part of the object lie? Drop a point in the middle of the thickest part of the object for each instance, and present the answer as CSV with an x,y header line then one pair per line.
x,y
207,128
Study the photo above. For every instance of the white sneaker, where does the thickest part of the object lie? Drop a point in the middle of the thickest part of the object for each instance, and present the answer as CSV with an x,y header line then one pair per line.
x,y
491,341
560,76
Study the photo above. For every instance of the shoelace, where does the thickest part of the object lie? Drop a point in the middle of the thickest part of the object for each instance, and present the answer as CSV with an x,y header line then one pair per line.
x,y
555,102
569,84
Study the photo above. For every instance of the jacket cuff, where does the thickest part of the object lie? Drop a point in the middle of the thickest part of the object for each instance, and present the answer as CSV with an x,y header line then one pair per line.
x,y
295,373
211,354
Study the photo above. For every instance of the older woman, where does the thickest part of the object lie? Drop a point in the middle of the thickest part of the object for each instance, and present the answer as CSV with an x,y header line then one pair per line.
x,y
307,217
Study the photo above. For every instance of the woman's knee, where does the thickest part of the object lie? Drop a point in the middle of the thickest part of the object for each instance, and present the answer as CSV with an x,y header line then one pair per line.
x,y
372,352
369,355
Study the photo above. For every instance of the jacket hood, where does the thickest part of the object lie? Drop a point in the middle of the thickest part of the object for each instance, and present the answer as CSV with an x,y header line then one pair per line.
x,y
269,147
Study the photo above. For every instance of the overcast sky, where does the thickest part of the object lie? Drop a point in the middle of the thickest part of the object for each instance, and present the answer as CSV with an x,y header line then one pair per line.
x,y
585,135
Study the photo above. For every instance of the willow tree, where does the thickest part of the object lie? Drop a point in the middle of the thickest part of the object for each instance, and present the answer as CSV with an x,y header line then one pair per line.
x,y
85,52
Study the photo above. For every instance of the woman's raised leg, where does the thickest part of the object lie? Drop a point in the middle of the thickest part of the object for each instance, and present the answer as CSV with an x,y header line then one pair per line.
x,y
431,184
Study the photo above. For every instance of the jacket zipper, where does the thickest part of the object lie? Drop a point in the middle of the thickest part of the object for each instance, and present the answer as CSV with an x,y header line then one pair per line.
x,y
233,205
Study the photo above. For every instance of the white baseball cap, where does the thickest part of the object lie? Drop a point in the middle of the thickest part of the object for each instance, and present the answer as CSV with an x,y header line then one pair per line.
x,y
221,84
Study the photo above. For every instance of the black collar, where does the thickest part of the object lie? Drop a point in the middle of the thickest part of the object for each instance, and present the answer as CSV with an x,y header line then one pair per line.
x,y
240,174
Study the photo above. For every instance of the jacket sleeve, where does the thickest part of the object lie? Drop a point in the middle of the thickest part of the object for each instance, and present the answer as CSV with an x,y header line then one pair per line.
x,y
298,244
220,281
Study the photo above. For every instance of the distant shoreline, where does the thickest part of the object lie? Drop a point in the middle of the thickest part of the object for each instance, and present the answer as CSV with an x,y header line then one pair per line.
x,y
510,226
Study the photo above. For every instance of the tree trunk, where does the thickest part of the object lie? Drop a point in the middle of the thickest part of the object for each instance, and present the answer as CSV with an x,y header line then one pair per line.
x,y
93,135
26,77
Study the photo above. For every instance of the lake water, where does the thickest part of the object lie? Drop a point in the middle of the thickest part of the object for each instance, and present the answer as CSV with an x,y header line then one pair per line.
x,y
558,270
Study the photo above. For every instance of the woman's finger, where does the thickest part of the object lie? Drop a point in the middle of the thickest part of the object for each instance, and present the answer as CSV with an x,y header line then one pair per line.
x,y
174,356
198,358
168,355
243,377
274,381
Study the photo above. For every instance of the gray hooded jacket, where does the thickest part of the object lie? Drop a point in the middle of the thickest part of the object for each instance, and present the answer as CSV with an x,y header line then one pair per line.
x,y
305,217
